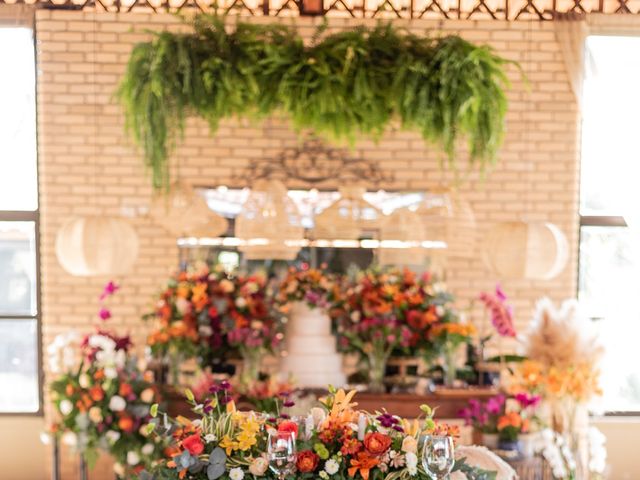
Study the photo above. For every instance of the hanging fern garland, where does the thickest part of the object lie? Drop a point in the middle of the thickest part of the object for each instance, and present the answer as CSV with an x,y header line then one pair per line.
x,y
346,84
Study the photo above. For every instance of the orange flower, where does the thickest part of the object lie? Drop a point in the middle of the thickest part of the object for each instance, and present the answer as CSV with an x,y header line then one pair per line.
x,y
126,423
99,375
377,443
96,393
68,390
363,463
511,419
125,390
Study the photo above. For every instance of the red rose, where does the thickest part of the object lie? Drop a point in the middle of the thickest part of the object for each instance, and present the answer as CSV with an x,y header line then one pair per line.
x,y
307,461
193,444
289,426
376,443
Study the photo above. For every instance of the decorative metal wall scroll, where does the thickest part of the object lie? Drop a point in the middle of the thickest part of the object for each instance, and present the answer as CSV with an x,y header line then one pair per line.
x,y
314,163
409,9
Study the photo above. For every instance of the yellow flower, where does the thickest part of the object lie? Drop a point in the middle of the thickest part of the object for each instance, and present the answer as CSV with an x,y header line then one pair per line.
x,y
228,444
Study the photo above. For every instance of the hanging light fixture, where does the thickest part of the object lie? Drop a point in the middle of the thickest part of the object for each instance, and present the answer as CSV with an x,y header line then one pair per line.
x,y
184,213
269,223
348,217
401,236
96,245
449,219
525,250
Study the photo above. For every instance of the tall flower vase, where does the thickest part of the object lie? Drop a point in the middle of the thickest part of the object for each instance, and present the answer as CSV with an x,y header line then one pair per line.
x,y
251,364
377,370
449,366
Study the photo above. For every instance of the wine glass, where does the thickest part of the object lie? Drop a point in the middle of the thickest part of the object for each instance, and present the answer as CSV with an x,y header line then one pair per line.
x,y
437,456
281,452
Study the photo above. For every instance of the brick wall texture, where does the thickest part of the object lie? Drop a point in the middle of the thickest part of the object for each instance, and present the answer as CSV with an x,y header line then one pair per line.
x,y
88,166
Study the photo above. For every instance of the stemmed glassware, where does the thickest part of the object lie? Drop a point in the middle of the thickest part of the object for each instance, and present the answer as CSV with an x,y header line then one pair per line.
x,y
438,456
281,452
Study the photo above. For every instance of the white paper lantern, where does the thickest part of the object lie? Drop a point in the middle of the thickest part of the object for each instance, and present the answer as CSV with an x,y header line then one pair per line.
x,y
522,250
449,219
348,217
406,230
94,246
184,213
269,222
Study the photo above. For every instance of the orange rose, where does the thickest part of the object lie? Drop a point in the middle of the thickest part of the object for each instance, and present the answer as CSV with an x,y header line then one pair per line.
x,y
96,393
126,424
69,390
307,461
125,390
288,426
376,443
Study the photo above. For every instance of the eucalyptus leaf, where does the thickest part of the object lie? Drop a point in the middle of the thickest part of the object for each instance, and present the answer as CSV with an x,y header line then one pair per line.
x,y
217,463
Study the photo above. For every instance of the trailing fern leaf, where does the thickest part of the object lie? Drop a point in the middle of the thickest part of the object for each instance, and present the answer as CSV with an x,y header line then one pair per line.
x,y
344,85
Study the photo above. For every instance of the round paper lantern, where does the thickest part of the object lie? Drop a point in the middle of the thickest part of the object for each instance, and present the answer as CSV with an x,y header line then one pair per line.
x,y
405,229
449,219
348,217
184,213
522,250
93,245
269,223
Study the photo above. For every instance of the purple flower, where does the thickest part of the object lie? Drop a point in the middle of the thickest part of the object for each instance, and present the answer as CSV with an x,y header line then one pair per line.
x,y
398,428
288,403
104,314
285,416
387,421
224,385
208,408
109,289
501,313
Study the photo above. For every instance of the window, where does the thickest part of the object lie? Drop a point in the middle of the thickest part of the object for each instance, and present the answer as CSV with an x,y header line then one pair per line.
x,y
19,306
609,279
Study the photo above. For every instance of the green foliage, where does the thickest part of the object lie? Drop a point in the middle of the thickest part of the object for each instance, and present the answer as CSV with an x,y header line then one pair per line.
x,y
343,85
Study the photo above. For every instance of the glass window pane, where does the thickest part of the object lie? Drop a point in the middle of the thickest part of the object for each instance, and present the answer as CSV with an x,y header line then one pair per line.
x,y
18,366
18,172
609,271
610,147
18,267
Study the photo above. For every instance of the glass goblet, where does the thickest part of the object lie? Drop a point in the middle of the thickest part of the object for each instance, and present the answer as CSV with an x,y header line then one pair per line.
x,y
438,456
281,453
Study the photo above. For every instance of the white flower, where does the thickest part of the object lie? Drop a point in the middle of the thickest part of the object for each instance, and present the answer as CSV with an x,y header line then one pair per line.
x,y
66,407
147,449
110,373
236,474
331,466
411,459
241,302
210,437
133,458
70,439
95,414
112,436
439,310
183,306
84,380
318,414
205,330
117,403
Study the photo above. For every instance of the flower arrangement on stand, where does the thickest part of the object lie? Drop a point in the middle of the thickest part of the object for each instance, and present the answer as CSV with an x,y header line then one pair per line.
x,y
102,400
389,311
214,315
189,323
334,441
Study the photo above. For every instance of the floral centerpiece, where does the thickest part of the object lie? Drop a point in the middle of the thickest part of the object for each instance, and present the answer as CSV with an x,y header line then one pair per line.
x,y
392,310
190,325
213,315
333,441
102,400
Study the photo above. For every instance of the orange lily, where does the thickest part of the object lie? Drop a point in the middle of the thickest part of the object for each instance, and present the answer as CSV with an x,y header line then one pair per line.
x,y
363,464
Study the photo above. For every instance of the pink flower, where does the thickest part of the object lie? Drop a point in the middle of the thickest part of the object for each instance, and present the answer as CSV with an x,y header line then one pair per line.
x,y
104,314
501,313
109,289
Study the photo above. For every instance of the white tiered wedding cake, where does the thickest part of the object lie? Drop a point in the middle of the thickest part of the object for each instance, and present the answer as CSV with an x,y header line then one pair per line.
x,y
312,358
